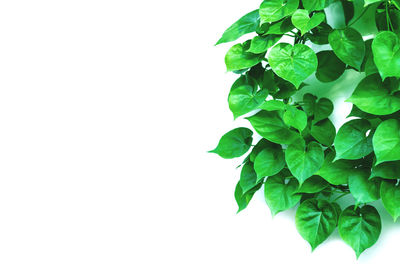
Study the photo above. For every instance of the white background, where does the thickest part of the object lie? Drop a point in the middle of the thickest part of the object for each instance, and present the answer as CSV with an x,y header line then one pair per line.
x,y
107,109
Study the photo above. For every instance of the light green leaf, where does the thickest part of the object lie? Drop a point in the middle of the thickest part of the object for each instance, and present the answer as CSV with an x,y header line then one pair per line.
x,y
269,124
337,172
362,189
304,161
386,51
260,44
279,194
352,141
312,5
272,105
360,227
246,24
248,177
304,23
295,118
269,161
373,96
369,2
348,46
315,221
293,63
314,184
390,194
243,199
274,10
280,27
237,58
386,141
330,67
234,143
244,97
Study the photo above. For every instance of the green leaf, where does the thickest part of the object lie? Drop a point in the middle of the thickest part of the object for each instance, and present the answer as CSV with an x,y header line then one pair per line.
x,y
322,109
248,178
315,221
274,10
337,172
324,132
295,118
279,194
304,161
360,227
244,97
368,66
280,27
369,2
362,189
269,124
309,102
386,170
386,141
352,141
319,35
246,24
304,23
381,21
314,184
243,199
312,5
234,143
386,51
260,44
373,96
348,46
269,161
390,194
330,67
272,105
293,63
237,58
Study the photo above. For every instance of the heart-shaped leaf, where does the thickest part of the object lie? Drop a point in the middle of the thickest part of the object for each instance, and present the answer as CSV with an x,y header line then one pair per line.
x,y
363,189
293,63
312,5
237,58
304,23
337,172
373,96
234,143
260,44
386,51
304,161
248,177
386,141
330,67
269,161
390,195
274,10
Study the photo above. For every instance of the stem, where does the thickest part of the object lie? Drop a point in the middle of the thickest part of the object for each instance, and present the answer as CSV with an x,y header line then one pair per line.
x,y
342,195
362,14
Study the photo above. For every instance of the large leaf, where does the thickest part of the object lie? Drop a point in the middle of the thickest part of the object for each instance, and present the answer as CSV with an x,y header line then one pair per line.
x,y
386,51
352,141
234,143
244,97
246,24
362,189
270,125
373,96
304,161
293,63
279,194
390,194
304,23
386,141
386,170
274,10
348,45
337,172
315,220
360,227
269,161
237,58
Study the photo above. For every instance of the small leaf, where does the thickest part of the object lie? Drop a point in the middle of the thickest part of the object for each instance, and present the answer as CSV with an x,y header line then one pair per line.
x,y
352,141
337,172
293,63
304,161
272,105
386,141
260,44
348,46
269,161
316,220
330,67
248,178
243,199
324,132
386,50
246,24
237,58
295,118
279,194
312,5
390,194
304,23
270,125
360,227
362,189
386,170
322,109
314,184
234,143
274,10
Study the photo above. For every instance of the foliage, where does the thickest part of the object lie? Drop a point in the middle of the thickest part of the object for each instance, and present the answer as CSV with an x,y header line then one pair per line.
x,y
301,159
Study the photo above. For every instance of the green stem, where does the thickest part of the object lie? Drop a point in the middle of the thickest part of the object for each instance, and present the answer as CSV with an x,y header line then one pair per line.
x,y
359,17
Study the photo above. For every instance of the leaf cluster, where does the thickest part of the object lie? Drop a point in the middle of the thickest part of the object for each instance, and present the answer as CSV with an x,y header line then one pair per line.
x,y
300,159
